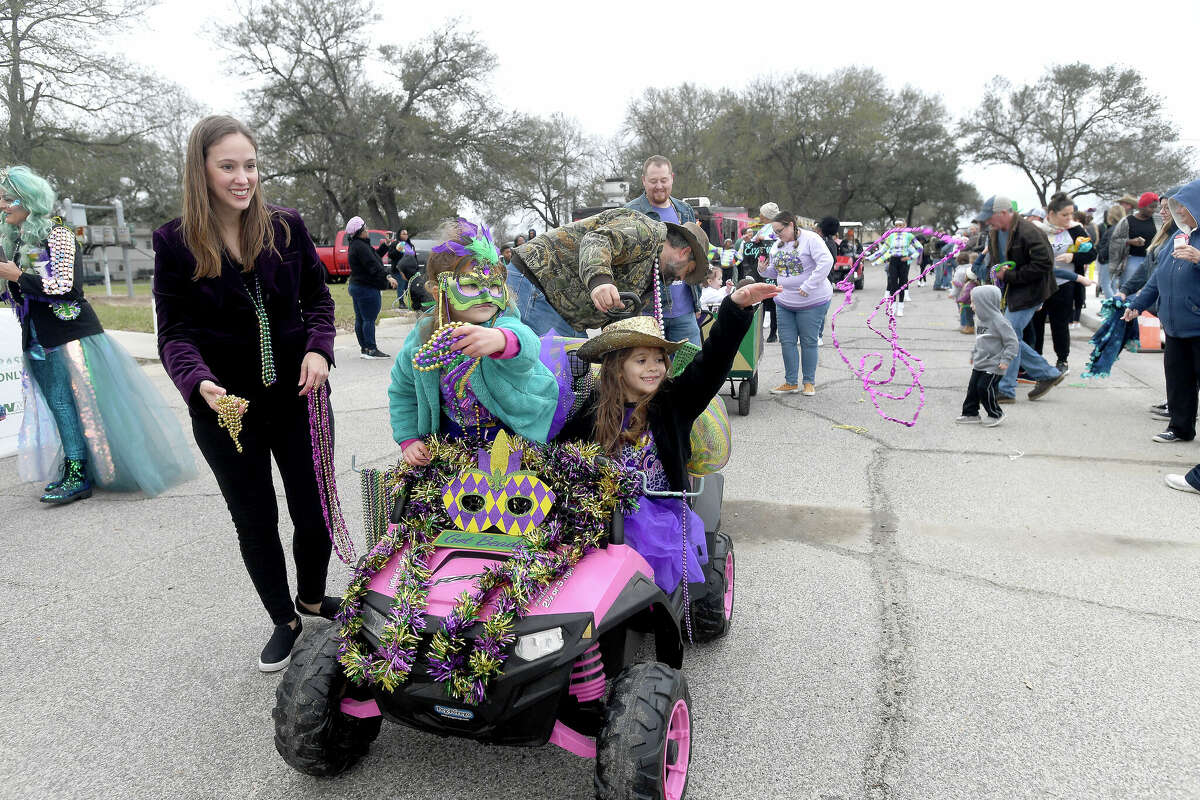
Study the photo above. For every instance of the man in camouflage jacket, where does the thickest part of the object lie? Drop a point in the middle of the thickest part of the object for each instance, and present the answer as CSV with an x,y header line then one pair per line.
x,y
581,266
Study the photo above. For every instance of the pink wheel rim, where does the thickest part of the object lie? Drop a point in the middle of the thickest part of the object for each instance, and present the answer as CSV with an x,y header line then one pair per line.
x,y
729,587
679,730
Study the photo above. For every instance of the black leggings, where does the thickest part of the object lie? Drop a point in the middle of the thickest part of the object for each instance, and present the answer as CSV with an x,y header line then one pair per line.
x,y
1080,299
981,391
276,425
897,273
1057,310
1181,363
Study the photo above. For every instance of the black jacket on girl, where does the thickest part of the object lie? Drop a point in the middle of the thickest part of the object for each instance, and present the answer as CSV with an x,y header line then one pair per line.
x,y
682,399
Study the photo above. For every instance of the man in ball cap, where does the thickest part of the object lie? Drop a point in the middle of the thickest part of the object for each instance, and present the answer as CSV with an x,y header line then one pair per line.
x,y
581,268
1028,280
1129,237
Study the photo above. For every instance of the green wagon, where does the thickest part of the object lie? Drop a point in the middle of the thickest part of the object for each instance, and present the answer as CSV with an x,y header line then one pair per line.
x,y
743,375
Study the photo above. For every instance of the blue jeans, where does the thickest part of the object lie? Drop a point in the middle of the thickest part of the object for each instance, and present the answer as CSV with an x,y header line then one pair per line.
x,y
367,302
966,315
1132,265
803,324
943,275
1035,366
535,310
1105,279
684,328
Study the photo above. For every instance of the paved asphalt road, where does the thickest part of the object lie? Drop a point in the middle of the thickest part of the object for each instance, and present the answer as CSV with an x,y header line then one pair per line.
x,y
928,612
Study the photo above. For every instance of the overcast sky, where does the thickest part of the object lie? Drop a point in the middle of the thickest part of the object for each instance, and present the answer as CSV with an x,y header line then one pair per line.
x,y
588,59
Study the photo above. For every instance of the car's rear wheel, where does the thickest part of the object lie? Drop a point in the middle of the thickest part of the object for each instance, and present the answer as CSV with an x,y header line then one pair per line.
x,y
311,732
646,745
712,614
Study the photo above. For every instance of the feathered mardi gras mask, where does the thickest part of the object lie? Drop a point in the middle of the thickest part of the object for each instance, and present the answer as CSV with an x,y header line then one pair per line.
x,y
484,282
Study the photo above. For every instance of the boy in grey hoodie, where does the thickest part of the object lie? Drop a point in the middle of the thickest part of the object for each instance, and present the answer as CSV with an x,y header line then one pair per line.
x,y
996,345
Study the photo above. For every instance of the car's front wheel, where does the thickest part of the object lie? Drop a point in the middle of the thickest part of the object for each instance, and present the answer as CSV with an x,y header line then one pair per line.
x,y
645,747
311,732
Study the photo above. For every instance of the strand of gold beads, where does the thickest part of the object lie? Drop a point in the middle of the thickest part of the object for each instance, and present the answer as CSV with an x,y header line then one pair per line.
x,y
230,410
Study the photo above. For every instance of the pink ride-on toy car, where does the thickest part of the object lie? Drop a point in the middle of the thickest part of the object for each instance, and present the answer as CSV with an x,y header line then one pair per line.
x,y
570,679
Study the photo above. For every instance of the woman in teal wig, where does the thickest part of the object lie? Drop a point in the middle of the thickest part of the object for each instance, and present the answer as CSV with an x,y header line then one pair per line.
x,y
88,407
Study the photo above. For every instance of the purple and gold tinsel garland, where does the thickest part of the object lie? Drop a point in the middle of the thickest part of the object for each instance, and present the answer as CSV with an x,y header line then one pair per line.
x,y
589,489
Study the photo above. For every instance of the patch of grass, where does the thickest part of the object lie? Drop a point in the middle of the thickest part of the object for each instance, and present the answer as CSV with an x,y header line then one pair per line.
x,y
124,316
343,315
123,313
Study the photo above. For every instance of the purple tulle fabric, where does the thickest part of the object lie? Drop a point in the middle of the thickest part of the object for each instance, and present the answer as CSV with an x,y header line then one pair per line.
x,y
655,530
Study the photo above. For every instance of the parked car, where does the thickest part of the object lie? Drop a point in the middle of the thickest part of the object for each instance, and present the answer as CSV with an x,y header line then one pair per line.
x,y
336,257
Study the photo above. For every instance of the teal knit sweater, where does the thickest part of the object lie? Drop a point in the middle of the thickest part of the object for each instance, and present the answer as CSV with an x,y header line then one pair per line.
x,y
520,391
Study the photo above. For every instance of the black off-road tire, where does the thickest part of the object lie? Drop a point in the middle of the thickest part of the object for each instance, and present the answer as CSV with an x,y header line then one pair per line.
x,y
311,732
708,612
630,748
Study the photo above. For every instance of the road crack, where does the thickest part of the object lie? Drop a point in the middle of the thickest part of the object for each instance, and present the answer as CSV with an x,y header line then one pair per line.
x,y
884,763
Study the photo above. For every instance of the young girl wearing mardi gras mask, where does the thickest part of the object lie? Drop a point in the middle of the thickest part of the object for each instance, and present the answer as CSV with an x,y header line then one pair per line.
x,y
470,367
644,418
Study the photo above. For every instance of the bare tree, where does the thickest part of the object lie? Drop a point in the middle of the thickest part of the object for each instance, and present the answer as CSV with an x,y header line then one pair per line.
x,y
1078,130
57,80
548,170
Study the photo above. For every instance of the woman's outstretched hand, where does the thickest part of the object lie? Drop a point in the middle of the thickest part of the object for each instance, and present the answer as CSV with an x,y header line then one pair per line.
x,y
753,293
211,392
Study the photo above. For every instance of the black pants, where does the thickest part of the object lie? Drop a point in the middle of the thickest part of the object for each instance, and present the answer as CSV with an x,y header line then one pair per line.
x,y
1181,362
897,272
276,425
981,390
1080,299
1057,311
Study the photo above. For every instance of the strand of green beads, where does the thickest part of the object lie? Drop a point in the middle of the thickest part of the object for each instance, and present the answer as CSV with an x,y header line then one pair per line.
x,y
264,335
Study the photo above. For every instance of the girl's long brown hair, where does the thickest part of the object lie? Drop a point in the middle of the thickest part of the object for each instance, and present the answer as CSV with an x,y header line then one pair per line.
x,y
200,232
610,406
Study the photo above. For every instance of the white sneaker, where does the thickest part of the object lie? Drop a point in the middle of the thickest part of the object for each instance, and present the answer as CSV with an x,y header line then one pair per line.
x,y
1179,482
993,421
966,420
899,309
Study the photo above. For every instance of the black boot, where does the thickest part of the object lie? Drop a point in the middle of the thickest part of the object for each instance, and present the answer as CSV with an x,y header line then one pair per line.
x,y
75,484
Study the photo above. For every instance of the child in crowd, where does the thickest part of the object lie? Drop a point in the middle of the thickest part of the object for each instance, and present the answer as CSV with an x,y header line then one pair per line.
x,y
996,344
470,366
714,290
640,416
964,282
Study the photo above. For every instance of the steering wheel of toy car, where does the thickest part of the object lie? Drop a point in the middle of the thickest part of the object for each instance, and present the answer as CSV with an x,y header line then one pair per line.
x,y
631,307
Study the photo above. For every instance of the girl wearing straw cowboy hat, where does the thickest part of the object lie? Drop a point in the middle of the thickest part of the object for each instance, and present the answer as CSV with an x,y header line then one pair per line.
x,y
641,416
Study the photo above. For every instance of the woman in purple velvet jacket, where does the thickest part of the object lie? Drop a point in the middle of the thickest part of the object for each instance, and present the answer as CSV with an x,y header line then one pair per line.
x,y
243,312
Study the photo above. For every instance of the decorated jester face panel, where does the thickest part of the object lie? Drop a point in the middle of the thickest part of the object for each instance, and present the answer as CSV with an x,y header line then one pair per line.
x,y
498,495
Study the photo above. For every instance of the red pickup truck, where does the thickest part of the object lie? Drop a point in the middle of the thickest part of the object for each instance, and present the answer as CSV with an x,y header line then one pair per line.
x,y
336,257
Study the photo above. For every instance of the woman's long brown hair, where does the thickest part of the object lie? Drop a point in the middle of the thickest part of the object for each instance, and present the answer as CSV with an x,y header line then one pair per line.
x,y
610,406
200,232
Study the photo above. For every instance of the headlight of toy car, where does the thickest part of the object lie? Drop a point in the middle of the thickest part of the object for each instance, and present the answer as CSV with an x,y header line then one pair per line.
x,y
373,621
533,646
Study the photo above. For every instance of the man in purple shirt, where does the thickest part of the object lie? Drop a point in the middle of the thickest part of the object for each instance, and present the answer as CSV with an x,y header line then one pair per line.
x,y
680,306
